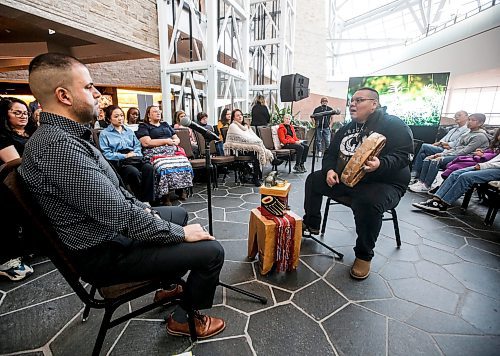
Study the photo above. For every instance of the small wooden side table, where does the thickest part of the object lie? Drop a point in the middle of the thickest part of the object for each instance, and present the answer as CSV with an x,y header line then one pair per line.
x,y
262,239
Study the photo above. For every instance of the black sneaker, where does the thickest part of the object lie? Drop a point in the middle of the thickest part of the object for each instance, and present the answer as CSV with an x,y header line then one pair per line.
x,y
308,231
257,182
433,190
297,169
431,205
303,168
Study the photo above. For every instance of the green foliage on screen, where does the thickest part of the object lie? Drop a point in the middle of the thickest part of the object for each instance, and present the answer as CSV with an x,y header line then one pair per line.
x,y
416,98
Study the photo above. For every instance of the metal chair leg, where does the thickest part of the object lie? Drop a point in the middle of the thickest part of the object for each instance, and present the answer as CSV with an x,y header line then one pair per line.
x,y
325,217
467,196
86,311
102,331
396,227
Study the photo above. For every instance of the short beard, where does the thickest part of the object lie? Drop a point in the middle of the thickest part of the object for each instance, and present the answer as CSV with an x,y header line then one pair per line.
x,y
83,116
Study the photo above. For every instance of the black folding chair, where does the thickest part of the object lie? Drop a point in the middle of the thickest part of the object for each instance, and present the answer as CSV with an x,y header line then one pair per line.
x,y
112,296
346,201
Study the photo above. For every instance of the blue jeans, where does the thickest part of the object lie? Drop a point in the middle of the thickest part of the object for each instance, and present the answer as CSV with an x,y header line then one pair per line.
x,y
431,167
219,147
462,180
425,150
323,135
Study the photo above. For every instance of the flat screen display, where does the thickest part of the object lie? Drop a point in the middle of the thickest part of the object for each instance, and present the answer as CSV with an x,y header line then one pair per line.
x,y
416,98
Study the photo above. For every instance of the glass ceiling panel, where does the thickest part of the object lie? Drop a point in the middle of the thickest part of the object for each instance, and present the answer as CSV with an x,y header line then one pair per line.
x,y
366,33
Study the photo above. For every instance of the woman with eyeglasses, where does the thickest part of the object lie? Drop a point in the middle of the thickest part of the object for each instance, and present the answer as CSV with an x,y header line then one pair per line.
x,y
161,145
16,127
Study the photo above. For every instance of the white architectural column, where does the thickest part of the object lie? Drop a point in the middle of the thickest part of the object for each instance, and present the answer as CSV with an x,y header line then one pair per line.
x,y
204,75
271,49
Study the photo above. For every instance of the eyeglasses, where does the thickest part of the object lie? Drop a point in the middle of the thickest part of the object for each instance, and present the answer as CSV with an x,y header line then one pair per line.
x,y
19,113
359,100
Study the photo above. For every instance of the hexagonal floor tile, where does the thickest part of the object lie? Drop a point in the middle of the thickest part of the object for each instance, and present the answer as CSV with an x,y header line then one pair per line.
x,y
286,330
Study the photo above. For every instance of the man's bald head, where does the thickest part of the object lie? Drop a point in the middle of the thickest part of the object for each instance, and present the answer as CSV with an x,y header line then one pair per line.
x,y
49,71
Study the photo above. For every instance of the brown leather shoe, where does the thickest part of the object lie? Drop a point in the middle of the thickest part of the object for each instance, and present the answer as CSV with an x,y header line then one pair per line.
x,y
166,200
167,293
206,326
360,269
183,195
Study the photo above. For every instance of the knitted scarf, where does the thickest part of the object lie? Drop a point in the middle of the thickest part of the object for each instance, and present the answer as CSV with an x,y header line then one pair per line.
x,y
242,138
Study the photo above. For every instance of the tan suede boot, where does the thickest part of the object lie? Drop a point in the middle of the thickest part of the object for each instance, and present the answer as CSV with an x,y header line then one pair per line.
x,y
360,269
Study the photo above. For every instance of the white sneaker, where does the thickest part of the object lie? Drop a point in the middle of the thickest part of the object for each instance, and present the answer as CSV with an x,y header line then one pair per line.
x,y
418,187
415,184
413,180
320,154
437,182
15,269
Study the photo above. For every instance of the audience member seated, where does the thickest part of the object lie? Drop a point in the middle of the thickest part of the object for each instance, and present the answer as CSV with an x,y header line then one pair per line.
x,y
160,145
101,122
224,121
459,182
179,115
15,130
468,143
202,119
289,139
36,116
450,140
241,138
478,156
133,118
111,236
121,147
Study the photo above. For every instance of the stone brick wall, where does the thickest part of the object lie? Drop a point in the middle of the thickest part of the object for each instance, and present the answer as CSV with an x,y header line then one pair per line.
x,y
310,43
140,73
134,23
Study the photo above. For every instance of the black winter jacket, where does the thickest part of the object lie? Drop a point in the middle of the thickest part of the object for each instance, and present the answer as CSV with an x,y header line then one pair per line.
x,y
394,157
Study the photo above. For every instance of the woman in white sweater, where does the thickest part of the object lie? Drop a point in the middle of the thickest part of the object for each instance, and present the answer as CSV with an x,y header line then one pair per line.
x,y
460,182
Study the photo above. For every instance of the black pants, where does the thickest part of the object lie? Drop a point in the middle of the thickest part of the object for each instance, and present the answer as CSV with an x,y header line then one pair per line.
x,y
124,260
17,236
301,151
141,180
369,201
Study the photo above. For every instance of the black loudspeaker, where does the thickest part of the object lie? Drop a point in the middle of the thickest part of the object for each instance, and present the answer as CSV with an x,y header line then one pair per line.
x,y
294,87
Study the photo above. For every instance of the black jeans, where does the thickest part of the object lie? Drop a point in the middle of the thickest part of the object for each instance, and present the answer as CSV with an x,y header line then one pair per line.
x,y
369,201
124,260
301,151
141,180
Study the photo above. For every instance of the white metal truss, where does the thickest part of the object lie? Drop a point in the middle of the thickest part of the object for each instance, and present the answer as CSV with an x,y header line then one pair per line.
x,y
272,33
206,78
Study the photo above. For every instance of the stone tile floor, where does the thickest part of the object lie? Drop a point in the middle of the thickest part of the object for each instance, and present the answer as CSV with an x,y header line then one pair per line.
x,y
437,295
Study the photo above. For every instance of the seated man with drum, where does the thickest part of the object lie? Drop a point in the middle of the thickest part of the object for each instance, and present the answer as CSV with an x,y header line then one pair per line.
x,y
385,177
